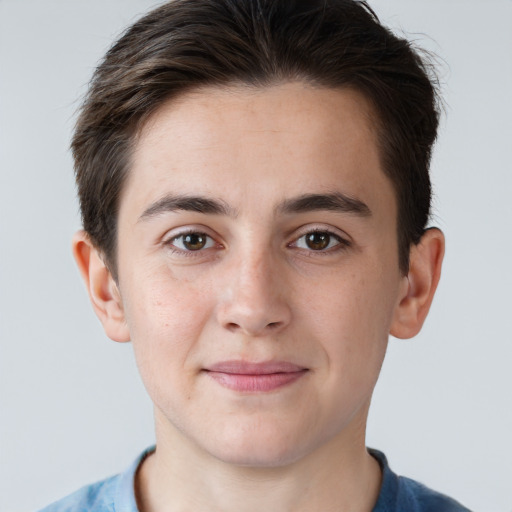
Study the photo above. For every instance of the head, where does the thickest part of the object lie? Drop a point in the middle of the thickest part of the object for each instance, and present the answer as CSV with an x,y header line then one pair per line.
x,y
186,45
254,185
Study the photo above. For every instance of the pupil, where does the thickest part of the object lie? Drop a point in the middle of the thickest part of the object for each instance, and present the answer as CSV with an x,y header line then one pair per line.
x,y
318,241
194,242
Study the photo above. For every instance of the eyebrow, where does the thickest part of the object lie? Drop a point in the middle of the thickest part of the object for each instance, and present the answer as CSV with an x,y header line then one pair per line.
x,y
336,202
172,203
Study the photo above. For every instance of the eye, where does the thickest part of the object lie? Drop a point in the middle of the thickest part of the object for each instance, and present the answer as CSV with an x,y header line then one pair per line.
x,y
319,241
192,241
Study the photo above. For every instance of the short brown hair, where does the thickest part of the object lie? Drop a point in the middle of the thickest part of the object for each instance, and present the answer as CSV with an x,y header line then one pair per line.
x,y
185,44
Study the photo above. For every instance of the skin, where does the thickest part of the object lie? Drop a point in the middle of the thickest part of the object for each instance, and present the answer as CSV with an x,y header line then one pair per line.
x,y
258,291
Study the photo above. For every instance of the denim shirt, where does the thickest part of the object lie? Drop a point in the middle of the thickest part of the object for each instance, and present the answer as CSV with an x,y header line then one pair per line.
x,y
116,494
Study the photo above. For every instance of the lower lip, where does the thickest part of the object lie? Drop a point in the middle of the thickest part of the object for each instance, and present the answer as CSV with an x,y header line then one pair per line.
x,y
255,383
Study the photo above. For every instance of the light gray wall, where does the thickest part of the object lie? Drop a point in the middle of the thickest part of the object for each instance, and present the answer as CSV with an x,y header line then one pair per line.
x,y
72,408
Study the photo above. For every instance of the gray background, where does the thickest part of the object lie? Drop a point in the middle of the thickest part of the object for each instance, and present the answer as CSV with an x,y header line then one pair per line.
x,y
72,408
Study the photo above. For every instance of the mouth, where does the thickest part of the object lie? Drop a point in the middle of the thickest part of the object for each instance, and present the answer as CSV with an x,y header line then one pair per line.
x,y
246,377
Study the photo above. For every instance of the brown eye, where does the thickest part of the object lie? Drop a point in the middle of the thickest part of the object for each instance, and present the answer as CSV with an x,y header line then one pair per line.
x,y
190,242
318,241
194,241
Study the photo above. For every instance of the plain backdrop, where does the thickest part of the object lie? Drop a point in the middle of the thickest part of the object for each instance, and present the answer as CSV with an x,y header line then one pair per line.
x,y
72,407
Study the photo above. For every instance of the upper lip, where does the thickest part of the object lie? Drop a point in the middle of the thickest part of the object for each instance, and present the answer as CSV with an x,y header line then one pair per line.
x,y
238,367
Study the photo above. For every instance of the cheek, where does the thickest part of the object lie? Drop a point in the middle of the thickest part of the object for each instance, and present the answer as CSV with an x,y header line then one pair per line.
x,y
352,315
165,317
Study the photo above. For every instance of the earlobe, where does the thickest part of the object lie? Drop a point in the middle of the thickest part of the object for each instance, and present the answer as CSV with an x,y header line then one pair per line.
x,y
102,288
420,284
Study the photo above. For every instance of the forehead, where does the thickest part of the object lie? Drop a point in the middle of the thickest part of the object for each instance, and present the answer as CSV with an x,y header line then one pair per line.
x,y
244,142
206,115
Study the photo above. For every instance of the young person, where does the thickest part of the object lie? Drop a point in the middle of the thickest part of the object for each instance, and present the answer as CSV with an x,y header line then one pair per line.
x,y
253,179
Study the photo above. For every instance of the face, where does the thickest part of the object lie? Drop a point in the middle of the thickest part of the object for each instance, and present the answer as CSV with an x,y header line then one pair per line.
x,y
258,269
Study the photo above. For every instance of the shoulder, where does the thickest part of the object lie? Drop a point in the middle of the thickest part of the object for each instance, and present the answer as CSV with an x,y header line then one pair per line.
x,y
421,498
98,497
399,494
115,494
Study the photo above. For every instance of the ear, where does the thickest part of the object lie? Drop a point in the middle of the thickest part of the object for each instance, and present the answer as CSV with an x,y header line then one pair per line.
x,y
420,284
102,288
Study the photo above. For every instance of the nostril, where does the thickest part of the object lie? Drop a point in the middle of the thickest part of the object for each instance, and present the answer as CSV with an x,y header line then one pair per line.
x,y
233,326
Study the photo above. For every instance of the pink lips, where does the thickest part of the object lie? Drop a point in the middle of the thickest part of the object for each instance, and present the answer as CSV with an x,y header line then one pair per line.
x,y
255,377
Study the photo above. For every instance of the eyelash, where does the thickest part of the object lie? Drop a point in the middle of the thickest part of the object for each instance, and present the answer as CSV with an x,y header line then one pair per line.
x,y
188,253
341,244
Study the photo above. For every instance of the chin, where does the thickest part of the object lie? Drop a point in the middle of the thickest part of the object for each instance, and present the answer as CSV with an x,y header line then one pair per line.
x,y
258,458
259,449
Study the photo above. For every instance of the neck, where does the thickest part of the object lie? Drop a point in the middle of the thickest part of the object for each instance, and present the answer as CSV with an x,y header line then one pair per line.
x,y
340,476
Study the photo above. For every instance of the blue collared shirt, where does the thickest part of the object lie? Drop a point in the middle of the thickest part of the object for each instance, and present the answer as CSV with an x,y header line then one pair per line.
x,y
116,494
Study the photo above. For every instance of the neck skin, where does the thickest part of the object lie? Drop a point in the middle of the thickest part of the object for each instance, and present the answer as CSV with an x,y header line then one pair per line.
x,y
338,476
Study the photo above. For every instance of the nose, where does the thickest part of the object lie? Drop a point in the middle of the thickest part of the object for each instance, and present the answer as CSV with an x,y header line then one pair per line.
x,y
254,299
